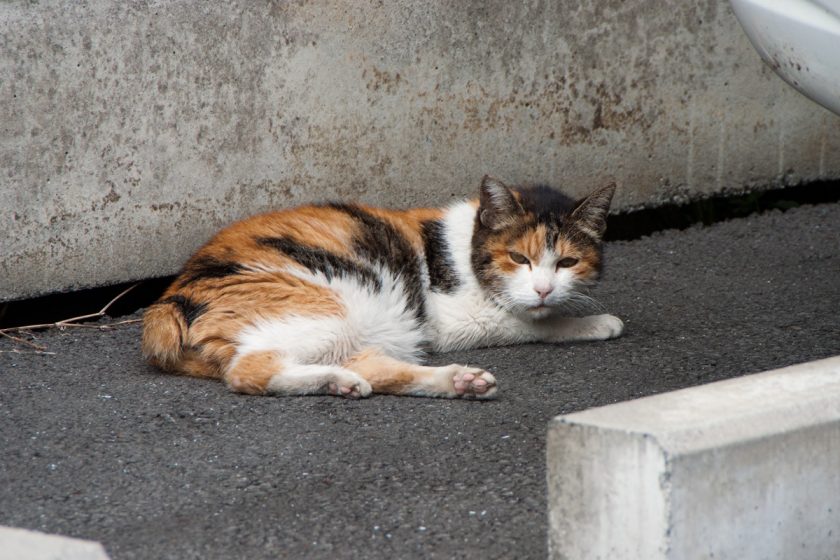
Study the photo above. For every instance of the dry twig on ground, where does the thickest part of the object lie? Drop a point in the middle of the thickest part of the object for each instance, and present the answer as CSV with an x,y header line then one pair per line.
x,y
67,323
23,341
16,351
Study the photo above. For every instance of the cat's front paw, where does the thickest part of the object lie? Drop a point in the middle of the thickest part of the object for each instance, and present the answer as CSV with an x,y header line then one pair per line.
x,y
473,383
601,327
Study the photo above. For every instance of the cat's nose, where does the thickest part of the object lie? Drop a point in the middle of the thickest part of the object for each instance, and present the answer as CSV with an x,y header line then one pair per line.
x,y
543,292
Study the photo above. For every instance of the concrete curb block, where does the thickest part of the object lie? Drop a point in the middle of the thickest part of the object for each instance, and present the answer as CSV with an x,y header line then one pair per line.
x,y
22,544
744,468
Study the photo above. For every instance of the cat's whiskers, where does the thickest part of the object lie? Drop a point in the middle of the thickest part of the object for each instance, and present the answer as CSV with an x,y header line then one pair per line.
x,y
581,303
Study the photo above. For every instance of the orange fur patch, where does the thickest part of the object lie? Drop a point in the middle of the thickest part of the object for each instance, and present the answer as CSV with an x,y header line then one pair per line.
x,y
565,248
499,249
532,244
322,227
235,302
164,332
588,260
385,374
587,267
252,373
254,296
197,363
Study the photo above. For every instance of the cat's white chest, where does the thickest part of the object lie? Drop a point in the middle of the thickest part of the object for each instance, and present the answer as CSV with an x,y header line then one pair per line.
x,y
464,319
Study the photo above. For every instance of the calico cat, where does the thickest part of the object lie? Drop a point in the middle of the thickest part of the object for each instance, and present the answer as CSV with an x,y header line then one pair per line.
x,y
342,299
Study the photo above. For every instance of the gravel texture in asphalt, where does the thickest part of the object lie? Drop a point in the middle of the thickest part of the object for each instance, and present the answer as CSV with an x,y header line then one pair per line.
x,y
96,444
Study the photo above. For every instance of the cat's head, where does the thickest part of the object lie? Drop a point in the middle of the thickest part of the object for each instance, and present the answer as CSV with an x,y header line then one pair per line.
x,y
533,248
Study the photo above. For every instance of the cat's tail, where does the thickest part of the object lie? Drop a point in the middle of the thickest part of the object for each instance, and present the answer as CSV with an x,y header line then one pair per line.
x,y
164,334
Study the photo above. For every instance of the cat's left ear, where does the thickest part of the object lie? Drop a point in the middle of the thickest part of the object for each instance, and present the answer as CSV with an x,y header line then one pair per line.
x,y
498,206
590,215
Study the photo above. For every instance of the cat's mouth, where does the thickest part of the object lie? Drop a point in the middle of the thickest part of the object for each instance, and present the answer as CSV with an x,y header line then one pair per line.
x,y
539,311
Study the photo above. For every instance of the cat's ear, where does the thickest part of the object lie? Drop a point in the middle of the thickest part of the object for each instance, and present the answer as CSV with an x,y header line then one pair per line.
x,y
498,207
590,215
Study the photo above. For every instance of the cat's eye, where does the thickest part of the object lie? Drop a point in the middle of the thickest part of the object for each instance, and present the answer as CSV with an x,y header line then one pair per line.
x,y
518,258
566,262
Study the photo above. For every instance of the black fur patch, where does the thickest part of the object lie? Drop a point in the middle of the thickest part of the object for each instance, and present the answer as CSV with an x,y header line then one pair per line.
x,y
553,209
379,242
188,308
200,268
442,274
546,204
482,260
319,260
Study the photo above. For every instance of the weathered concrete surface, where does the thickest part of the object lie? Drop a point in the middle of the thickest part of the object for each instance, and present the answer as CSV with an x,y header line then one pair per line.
x,y
747,468
130,131
20,544
96,444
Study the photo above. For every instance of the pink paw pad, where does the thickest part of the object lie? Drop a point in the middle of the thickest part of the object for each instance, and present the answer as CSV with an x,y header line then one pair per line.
x,y
344,391
474,384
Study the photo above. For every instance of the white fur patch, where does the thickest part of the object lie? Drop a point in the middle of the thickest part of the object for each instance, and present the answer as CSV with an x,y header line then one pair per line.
x,y
372,319
524,286
309,379
465,318
458,224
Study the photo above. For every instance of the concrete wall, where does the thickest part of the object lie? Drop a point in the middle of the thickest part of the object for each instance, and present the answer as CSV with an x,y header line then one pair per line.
x,y
132,130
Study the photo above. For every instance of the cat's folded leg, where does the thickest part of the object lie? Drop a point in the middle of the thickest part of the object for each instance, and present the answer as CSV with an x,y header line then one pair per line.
x,y
392,376
265,372
508,329
592,327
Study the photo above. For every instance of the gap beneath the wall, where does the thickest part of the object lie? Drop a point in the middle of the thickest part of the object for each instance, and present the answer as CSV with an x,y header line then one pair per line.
x,y
637,224
621,227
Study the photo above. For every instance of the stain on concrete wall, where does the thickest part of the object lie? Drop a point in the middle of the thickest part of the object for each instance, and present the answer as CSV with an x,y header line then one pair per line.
x,y
133,130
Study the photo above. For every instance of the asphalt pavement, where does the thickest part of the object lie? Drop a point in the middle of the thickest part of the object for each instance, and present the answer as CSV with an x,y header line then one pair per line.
x,y
96,444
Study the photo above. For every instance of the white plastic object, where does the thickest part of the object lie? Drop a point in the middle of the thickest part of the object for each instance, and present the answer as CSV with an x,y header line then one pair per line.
x,y
800,40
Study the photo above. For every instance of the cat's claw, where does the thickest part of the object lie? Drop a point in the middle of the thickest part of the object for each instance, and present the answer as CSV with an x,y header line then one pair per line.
x,y
474,383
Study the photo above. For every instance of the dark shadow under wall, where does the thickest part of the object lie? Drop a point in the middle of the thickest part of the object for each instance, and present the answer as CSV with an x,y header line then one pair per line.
x,y
634,225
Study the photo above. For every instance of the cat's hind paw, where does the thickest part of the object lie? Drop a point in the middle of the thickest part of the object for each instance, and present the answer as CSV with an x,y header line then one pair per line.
x,y
474,383
352,387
